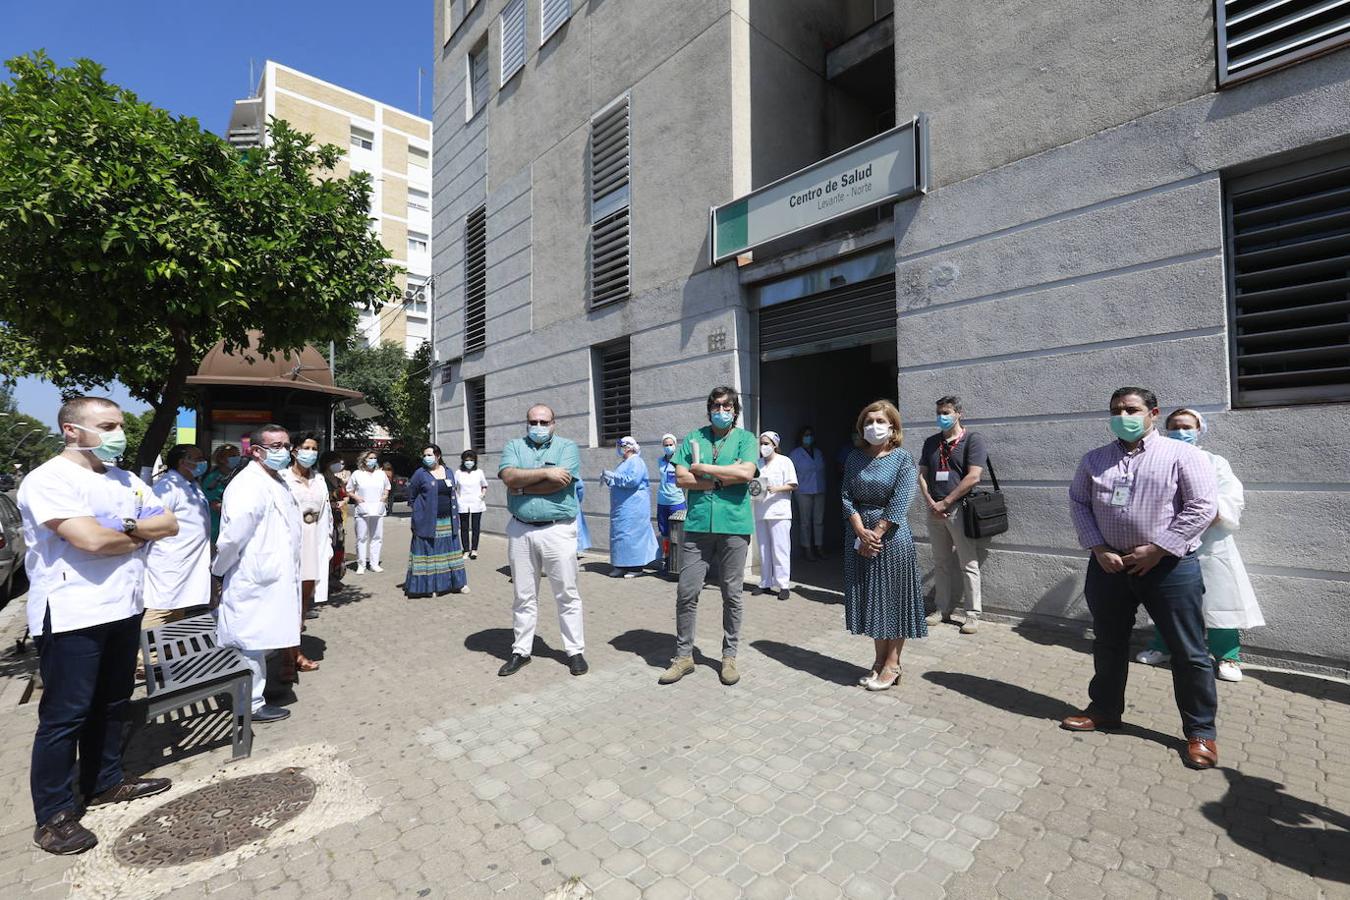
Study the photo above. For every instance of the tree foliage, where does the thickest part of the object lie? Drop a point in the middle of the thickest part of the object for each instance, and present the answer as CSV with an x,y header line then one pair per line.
x,y
131,241
394,384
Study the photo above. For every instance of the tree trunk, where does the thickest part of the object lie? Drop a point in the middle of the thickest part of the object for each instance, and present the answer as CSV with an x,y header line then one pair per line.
x,y
170,396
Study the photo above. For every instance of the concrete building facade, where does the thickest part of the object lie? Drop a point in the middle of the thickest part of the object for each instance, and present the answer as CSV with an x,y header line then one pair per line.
x,y
394,147
1132,195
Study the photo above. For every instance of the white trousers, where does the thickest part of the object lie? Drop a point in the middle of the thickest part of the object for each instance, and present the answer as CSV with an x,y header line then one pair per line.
x,y
257,661
775,552
369,530
550,551
956,563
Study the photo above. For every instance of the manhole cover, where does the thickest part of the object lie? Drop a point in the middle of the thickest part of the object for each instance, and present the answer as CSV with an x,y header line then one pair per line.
x,y
214,820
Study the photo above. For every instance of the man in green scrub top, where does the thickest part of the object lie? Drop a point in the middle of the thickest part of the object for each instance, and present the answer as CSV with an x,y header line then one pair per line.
x,y
714,464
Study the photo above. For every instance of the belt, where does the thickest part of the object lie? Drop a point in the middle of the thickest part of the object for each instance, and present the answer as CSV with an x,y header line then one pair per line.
x,y
539,524
311,517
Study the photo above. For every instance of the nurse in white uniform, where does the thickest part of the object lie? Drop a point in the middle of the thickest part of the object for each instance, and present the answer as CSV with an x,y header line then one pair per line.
x,y
258,558
773,517
178,568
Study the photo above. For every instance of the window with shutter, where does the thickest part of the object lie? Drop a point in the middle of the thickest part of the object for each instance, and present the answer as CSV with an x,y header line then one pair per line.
x,y
475,403
610,264
476,81
1256,36
1289,277
553,14
475,280
513,41
612,363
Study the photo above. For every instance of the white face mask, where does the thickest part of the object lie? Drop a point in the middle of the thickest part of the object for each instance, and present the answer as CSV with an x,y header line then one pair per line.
x,y
766,450
876,433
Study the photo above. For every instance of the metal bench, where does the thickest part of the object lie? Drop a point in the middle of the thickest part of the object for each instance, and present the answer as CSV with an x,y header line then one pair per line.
x,y
184,665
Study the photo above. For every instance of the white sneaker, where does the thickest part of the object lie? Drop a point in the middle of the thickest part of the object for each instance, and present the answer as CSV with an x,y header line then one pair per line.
x,y
360,568
375,567
1229,670
1152,657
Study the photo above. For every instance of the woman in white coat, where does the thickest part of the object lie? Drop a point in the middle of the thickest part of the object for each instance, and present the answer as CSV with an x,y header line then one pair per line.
x,y
310,490
1230,602
258,556
773,517
178,568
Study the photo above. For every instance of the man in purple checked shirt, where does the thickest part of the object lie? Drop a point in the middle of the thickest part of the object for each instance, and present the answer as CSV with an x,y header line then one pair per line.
x,y
1141,504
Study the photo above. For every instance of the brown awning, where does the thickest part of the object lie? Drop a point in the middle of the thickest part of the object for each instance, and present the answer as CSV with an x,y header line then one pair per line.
x,y
305,371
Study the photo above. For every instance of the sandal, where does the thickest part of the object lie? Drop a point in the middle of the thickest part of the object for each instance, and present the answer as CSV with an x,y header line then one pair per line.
x,y
305,664
876,684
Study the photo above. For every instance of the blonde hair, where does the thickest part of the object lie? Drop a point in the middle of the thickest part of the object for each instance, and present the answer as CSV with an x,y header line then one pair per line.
x,y
887,408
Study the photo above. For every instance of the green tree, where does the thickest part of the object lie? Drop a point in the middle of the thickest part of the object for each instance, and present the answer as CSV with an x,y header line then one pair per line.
x,y
374,371
412,401
131,241
137,426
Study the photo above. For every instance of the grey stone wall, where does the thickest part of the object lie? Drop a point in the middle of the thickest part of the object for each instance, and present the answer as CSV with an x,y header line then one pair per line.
x,y
1035,289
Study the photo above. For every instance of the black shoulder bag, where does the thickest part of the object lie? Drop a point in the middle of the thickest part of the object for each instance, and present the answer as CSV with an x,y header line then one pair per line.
x,y
983,513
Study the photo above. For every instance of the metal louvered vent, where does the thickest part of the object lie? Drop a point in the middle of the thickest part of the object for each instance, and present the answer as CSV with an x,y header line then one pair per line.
x,y
613,363
513,41
475,280
610,259
1289,254
475,401
849,316
1256,36
553,14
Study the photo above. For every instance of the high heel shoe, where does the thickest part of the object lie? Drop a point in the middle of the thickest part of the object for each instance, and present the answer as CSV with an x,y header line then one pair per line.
x,y
870,676
875,684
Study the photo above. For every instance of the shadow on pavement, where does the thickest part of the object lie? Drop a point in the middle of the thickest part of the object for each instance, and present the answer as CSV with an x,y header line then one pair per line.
x,y
1019,700
1309,685
203,727
1285,829
824,667
346,595
497,642
313,647
1048,635
656,648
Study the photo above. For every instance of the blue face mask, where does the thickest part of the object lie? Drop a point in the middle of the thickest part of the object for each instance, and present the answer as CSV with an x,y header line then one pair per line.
x,y
429,462
540,433
723,419
199,468
945,421
277,459
808,440
307,458
1189,435
667,452
371,463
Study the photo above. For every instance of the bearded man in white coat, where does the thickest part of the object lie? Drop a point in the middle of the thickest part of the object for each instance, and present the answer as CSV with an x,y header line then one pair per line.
x,y
258,558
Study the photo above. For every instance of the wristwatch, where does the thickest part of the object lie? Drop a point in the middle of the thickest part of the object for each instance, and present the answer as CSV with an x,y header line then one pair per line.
x,y
128,526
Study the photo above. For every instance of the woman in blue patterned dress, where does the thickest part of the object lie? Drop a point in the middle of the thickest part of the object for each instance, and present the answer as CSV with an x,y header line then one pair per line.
x,y
883,593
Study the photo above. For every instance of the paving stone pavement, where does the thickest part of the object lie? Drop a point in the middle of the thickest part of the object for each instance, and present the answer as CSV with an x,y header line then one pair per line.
x,y
793,783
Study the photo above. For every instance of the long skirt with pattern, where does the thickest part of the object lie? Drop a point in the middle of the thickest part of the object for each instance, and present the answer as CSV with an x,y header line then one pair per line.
x,y
436,566
883,596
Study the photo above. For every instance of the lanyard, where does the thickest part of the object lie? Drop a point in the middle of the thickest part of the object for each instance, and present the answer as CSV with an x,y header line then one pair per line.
x,y
945,452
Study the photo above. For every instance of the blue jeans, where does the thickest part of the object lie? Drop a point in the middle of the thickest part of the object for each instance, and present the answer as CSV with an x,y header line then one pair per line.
x,y
1172,593
87,677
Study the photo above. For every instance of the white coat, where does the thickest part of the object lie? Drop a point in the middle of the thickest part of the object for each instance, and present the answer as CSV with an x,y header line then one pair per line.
x,y
178,568
1230,601
258,555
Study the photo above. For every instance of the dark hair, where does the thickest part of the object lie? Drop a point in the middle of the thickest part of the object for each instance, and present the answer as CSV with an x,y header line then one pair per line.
x,y
176,455
469,454
801,433
1150,399
310,436
725,392
437,448
951,400
268,429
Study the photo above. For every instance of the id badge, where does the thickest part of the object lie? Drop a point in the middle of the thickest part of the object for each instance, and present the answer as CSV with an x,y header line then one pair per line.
x,y
1120,494
941,475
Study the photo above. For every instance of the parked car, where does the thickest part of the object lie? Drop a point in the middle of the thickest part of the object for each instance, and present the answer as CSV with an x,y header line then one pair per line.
x,y
12,549
399,492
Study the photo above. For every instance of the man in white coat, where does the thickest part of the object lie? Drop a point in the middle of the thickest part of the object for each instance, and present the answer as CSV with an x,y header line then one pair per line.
x,y
258,557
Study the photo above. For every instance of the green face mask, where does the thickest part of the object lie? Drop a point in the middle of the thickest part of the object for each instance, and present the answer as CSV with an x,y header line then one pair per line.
x,y
1128,428
112,444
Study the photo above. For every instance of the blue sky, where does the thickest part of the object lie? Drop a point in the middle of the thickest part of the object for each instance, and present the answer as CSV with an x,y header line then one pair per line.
x,y
192,58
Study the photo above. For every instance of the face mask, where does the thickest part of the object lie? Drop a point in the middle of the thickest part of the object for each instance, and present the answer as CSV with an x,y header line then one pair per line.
x,y
619,452
335,468
723,419
429,462
766,450
540,433
278,459
945,421
370,464
876,433
667,452
307,458
111,445
1128,428
1188,435
469,464
808,440
199,468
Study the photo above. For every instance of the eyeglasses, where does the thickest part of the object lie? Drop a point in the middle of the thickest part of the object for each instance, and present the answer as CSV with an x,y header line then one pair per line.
x,y
538,421
279,445
715,405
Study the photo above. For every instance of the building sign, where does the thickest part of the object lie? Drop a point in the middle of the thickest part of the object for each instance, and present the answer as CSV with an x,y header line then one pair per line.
x,y
891,166
253,416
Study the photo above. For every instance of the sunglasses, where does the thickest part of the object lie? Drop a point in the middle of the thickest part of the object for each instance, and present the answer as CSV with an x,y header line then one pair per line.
x,y
538,421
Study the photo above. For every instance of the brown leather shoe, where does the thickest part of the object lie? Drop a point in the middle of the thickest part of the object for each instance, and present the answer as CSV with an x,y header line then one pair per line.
x,y
131,789
1202,753
64,835
1089,721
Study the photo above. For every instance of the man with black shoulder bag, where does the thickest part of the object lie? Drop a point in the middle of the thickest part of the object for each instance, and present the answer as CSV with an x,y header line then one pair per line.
x,y
951,465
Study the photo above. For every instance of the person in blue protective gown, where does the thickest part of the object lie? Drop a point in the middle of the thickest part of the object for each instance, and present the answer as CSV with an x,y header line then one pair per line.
x,y
632,543
583,533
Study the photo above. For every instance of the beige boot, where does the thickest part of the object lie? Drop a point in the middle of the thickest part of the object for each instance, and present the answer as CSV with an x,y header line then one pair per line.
x,y
729,675
679,668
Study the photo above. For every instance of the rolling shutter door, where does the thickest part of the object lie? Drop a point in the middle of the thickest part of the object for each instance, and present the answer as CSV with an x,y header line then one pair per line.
x,y
850,316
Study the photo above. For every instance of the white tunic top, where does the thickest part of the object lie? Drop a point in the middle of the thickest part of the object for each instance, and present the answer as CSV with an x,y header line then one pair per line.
x,y
316,539
258,555
777,472
80,589
178,568
470,487
367,487
1229,601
